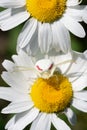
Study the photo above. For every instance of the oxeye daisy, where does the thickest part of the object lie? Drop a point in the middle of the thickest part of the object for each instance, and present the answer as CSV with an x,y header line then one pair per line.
x,y
48,22
42,89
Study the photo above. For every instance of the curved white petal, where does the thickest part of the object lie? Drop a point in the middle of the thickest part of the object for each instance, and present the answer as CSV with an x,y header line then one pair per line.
x,y
62,61
22,59
30,46
10,94
79,104
59,124
5,14
62,40
14,20
55,43
71,116
12,3
73,2
25,65
73,26
80,83
34,123
10,123
81,95
84,15
76,13
18,107
8,65
27,33
38,123
85,54
77,69
16,80
25,118
44,37
34,47
85,19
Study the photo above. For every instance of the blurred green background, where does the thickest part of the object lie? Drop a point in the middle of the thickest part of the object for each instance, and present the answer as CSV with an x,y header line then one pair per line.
x,y
8,47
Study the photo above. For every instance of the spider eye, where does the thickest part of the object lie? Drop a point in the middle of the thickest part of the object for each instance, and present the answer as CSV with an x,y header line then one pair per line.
x,y
44,65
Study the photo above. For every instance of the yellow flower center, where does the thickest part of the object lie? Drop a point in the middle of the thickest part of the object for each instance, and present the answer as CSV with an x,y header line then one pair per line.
x,y
46,10
53,94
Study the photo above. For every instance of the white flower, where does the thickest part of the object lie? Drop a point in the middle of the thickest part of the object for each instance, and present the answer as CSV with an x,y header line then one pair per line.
x,y
42,89
48,22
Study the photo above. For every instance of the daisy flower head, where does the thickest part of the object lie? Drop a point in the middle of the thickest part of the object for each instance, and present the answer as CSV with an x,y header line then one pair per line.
x,y
42,89
48,22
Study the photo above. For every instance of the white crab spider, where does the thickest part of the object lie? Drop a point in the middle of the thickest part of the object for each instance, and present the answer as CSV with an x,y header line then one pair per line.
x,y
44,65
44,68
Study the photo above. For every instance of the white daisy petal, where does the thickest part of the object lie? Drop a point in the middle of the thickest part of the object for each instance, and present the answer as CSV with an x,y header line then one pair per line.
x,y
58,123
73,26
71,116
80,80
81,95
77,69
84,15
8,65
38,123
85,54
14,20
33,125
73,2
5,14
6,93
25,65
27,33
62,35
10,13
11,94
18,107
80,83
12,3
16,80
55,40
44,37
34,48
62,61
76,12
44,126
25,118
79,104
10,123
85,19
22,59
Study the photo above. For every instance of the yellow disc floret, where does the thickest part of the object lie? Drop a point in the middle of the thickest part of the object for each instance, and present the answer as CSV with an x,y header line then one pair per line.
x,y
53,94
46,10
